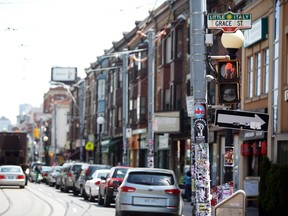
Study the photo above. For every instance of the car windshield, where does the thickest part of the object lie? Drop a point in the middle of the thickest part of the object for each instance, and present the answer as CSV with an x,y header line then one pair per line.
x,y
100,174
120,173
10,169
144,178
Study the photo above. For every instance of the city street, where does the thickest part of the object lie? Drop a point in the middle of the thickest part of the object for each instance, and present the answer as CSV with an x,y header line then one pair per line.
x,y
40,199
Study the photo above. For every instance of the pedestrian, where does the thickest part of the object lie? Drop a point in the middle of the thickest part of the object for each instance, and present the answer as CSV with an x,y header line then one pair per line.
x,y
38,172
187,184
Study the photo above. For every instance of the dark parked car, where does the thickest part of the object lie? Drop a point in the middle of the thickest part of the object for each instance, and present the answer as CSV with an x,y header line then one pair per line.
x,y
58,177
51,180
69,175
108,186
86,173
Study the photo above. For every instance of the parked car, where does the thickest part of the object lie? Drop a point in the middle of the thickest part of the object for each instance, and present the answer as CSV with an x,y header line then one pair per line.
x,y
109,185
11,175
51,179
150,191
58,177
68,176
32,174
91,186
45,170
44,173
86,172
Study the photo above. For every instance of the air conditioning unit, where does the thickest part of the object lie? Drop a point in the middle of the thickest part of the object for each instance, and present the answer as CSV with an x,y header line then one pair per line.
x,y
286,95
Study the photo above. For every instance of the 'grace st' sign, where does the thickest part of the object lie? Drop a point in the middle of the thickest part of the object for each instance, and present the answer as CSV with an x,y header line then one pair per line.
x,y
229,22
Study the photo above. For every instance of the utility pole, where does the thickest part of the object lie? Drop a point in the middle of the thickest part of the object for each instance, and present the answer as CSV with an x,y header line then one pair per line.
x,y
125,108
55,132
41,140
82,118
151,53
199,145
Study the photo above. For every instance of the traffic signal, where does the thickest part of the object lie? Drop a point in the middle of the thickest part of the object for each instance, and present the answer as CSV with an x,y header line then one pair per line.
x,y
228,81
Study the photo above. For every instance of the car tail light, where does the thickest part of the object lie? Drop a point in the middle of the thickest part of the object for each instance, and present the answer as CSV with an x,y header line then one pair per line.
x,y
97,182
114,183
44,174
2,177
69,174
173,191
20,177
127,189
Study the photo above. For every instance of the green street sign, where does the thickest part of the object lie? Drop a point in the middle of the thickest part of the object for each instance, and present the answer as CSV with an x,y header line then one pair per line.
x,y
229,22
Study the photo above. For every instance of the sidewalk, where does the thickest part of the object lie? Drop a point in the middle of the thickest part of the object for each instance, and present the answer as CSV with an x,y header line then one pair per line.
x,y
187,210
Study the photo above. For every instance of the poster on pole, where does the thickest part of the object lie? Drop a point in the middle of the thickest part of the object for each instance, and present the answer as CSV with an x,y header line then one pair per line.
x,y
229,156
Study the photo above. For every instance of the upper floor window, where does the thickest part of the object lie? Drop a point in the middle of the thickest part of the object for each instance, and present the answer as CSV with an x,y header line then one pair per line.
x,y
266,71
250,76
169,54
179,43
258,74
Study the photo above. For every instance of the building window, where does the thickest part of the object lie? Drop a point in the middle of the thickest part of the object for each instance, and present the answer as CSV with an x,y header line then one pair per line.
x,y
159,107
258,74
287,58
119,117
179,44
167,99
168,53
101,89
250,77
282,152
266,71
275,90
142,108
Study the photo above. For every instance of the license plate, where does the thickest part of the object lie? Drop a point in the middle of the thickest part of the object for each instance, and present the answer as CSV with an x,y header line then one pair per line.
x,y
149,201
11,177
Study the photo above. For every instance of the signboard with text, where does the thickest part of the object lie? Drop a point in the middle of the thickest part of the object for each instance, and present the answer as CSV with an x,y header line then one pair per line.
x,y
229,22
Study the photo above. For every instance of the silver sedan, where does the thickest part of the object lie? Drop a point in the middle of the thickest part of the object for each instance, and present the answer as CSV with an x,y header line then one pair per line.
x,y
11,175
149,191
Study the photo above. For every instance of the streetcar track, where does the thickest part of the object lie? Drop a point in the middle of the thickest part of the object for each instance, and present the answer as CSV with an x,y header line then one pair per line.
x,y
85,210
10,203
68,205
50,206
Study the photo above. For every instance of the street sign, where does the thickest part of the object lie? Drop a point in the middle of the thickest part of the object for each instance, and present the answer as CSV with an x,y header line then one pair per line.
x,y
242,120
229,22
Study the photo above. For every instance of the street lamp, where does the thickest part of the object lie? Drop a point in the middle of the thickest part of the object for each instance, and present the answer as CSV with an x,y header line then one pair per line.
x,y
100,122
232,42
45,140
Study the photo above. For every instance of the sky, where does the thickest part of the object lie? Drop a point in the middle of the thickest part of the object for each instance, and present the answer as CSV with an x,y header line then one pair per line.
x,y
36,35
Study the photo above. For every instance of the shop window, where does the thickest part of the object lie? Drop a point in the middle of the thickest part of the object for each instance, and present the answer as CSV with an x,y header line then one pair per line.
x,y
282,152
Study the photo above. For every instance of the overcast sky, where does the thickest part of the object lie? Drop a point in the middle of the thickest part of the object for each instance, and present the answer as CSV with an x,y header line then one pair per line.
x,y
36,35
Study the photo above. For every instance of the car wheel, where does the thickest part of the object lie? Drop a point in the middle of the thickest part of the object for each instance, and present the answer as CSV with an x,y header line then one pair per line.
x,y
117,213
65,189
100,199
85,196
106,199
57,186
75,192
91,198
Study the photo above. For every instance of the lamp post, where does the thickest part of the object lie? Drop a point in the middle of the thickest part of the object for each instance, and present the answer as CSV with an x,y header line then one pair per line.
x,y
232,42
45,139
100,122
